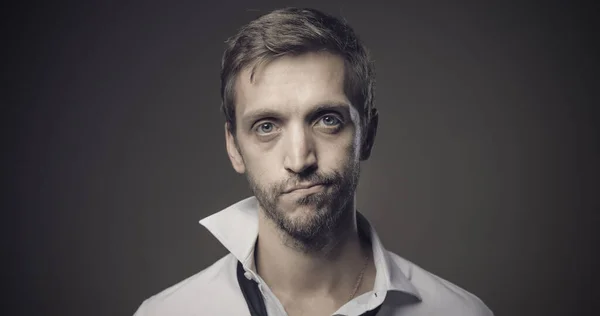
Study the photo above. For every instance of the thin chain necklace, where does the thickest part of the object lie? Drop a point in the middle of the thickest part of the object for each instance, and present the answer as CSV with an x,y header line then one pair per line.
x,y
360,277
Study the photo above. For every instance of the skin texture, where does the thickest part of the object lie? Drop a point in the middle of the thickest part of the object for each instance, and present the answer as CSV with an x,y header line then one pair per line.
x,y
297,128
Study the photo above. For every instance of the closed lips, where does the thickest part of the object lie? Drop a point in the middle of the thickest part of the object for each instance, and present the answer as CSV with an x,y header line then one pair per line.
x,y
302,187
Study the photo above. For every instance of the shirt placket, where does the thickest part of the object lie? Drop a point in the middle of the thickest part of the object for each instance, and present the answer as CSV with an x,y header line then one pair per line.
x,y
274,307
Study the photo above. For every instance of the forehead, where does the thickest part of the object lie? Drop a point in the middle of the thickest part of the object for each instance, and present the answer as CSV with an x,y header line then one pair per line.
x,y
291,83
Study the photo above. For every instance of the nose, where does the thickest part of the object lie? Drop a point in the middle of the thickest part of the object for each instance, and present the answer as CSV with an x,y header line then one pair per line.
x,y
300,156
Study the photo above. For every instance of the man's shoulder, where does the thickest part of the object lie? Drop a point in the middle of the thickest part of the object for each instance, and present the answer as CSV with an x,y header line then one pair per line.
x,y
438,294
209,292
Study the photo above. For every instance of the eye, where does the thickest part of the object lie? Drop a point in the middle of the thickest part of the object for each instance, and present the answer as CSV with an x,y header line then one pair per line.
x,y
265,128
331,120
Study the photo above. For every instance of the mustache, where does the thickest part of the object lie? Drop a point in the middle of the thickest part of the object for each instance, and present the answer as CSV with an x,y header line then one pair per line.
x,y
320,178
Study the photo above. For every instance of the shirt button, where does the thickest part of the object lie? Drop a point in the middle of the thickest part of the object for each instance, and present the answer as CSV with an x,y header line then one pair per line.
x,y
248,275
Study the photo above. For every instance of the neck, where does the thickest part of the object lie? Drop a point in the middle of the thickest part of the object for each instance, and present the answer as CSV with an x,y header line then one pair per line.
x,y
291,272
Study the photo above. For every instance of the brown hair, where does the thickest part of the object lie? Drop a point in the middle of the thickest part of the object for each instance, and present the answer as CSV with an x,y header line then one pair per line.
x,y
296,31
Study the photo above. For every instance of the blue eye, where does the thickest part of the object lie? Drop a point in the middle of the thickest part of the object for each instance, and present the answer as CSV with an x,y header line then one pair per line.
x,y
265,128
330,120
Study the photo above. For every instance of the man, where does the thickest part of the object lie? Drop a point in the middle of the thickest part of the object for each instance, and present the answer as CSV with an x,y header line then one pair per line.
x,y
297,93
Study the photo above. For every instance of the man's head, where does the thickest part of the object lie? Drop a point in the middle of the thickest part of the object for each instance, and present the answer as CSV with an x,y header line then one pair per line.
x,y
296,87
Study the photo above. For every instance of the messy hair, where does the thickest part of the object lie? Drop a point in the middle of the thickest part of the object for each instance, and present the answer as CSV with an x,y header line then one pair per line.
x,y
293,31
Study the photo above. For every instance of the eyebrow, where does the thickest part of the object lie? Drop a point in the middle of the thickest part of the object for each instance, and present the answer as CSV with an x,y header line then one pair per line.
x,y
330,106
251,117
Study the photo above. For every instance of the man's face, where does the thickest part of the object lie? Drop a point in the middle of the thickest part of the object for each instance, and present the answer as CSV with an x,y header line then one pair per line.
x,y
298,142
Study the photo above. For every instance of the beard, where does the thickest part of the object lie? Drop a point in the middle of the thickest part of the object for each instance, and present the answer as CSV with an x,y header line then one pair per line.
x,y
316,228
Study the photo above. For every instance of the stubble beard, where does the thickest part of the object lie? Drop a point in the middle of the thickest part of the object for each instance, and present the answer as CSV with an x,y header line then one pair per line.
x,y
319,230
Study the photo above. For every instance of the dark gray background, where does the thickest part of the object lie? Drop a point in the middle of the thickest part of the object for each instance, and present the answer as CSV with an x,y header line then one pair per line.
x,y
484,170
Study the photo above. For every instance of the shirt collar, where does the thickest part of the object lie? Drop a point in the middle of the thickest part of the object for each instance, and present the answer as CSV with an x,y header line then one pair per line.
x,y
236,227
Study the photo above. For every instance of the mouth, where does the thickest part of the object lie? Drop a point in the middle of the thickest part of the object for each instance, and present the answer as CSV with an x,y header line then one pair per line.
x,y
306,189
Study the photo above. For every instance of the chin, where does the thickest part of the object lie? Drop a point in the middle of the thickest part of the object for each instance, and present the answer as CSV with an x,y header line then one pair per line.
x,y
308,216
303,214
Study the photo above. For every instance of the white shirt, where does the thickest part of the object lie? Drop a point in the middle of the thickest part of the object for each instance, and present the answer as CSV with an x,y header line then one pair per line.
x,y
402,287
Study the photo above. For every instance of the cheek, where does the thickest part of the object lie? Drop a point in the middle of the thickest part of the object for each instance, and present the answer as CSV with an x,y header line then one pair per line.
x,y
351,142
262,166
337,153
356,132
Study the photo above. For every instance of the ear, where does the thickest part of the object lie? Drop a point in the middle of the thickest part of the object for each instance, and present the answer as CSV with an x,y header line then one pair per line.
x,y
233,151
369,138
